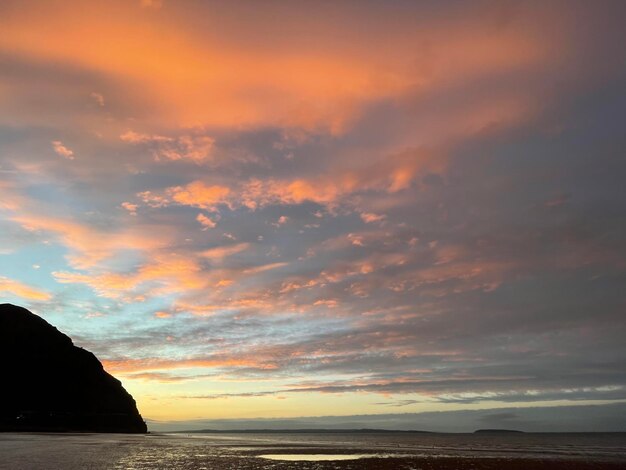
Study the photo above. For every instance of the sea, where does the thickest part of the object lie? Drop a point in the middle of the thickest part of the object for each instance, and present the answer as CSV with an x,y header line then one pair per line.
x,y
359,450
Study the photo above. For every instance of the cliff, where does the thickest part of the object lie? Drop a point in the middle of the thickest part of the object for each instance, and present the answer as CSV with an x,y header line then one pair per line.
x,y
50,385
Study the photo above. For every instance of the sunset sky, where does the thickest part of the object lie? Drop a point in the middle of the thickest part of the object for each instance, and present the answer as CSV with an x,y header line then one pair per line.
x,y
253,209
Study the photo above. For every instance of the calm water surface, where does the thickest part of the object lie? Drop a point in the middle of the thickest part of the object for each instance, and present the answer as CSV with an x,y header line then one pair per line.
x,y
265,451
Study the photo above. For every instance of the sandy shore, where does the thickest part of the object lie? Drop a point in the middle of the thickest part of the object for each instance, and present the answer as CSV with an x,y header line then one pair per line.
x,y
155,452
417,463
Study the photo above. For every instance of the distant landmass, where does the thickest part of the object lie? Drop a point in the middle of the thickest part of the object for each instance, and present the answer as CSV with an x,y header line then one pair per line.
x,y
50,385
334,431
298,431
497,431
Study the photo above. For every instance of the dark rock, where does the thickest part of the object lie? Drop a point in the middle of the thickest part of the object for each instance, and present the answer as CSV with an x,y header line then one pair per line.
x,y
50,385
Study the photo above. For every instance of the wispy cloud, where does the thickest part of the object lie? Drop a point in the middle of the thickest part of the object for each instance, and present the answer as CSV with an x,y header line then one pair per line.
x,y
195,148
21,290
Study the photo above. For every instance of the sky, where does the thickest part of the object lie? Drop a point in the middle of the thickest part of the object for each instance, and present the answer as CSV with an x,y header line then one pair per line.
x,y
252,210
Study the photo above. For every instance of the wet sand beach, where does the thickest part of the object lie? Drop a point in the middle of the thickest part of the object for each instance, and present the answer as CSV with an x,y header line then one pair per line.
x,y
311,451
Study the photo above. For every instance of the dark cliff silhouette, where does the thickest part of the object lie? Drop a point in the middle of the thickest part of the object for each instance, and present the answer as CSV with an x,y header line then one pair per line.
x,y
50,385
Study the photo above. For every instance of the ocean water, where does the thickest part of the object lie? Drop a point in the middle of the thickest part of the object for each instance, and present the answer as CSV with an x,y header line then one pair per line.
x,y
30,451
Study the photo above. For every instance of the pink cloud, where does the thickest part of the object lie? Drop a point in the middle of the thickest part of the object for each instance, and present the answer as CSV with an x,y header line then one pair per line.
x,y
24,291
131,208
369,217
217,254
195,148
205,221
198,194
62,150
89,246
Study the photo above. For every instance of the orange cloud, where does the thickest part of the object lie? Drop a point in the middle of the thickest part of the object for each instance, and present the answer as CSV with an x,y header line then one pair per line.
x,y
205,221
219,253
12,287
197,194
235,70
264,267
454,277
164,274
331,188
324,190
62,150
131,208
196,148
106,285
369,217
152,3
88,245
149,364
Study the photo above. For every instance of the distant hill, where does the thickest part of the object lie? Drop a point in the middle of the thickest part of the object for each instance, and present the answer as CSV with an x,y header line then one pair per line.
x,y
50,385
297,431
497,431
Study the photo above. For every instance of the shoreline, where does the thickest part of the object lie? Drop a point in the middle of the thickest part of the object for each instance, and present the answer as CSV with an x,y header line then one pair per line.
x,y
61,451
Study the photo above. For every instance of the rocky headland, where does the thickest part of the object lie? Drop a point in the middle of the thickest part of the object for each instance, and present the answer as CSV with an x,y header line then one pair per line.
x,y
50,385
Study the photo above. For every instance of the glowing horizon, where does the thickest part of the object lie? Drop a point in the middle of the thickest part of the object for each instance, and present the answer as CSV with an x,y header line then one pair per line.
x,y
321,208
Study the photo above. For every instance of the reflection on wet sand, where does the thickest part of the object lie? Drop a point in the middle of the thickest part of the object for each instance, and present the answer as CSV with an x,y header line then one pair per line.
x,y
315,457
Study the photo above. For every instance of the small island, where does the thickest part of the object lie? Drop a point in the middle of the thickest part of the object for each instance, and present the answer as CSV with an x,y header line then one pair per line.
x,y
50,385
